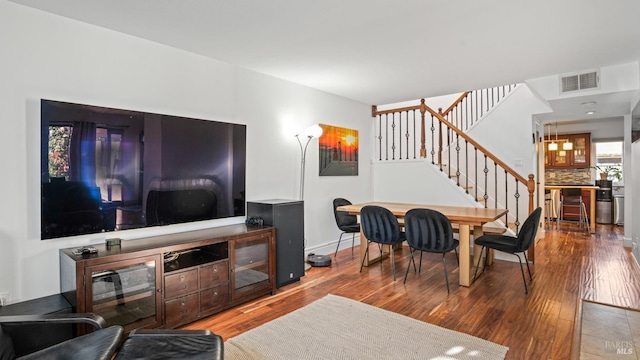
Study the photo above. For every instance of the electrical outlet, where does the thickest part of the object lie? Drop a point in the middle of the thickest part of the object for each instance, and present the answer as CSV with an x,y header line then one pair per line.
x,y
4,298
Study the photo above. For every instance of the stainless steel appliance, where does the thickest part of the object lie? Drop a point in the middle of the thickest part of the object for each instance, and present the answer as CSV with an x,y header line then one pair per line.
x,y
618,209
603,202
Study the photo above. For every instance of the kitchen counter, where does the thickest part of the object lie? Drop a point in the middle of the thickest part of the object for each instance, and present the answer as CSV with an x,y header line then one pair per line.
x,y
592,190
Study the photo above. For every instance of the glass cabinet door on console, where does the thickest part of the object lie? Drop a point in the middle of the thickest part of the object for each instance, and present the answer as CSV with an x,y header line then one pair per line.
x,y
250,265
126,293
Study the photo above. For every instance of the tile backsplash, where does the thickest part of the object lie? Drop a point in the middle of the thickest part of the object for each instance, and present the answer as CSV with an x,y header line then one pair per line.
x,y
568,176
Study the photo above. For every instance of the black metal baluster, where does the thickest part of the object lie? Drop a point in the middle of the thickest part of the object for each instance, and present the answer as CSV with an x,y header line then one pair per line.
x,y
466,164
517,196
393,136
400,136
506,197
449,142
458,158
386,138
495,190
475,156
415,151
406,135
433,142
380,137
486,181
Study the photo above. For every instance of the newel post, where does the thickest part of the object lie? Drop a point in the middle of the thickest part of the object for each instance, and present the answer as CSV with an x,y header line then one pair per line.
x,y
531,188
423,148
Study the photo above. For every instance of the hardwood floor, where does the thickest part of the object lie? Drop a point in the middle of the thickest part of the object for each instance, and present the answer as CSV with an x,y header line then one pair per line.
x,y
570,264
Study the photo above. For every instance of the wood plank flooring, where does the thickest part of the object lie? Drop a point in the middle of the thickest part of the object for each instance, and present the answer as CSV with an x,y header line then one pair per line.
x,y
570,264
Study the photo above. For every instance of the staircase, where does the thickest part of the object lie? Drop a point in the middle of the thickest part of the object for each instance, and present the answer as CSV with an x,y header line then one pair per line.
x,y
441,138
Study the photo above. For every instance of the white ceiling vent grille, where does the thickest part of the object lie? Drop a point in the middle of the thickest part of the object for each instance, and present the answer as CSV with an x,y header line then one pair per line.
x,y
575,82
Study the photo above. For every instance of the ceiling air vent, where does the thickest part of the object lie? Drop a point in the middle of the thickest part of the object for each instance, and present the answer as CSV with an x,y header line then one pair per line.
x,y
574,82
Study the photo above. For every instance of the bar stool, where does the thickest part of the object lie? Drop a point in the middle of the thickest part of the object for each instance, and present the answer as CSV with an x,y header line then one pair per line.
x,y
573,198
548,205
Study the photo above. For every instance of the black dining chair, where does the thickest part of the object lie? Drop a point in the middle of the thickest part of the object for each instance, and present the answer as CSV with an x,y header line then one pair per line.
x,y
347,223
380,226
430,231
512,245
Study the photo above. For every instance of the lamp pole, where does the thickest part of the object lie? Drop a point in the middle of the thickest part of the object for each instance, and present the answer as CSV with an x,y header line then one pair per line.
x,y
303,153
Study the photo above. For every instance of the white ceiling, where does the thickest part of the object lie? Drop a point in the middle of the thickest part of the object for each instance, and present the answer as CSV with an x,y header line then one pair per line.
x,y
383,51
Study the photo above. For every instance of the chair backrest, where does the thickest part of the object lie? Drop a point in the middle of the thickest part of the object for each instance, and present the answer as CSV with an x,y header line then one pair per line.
x,y
428,230
379,225
528,231
572,192
343,218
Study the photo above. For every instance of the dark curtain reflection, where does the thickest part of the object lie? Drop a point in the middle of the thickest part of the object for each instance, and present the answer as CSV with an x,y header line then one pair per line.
x,y
82,157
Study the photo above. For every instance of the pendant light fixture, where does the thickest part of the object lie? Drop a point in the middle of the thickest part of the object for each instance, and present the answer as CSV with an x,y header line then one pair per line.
x,y
554,145
568,145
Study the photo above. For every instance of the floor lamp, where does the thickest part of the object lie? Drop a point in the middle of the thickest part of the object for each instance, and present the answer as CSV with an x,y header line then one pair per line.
x,y
311,132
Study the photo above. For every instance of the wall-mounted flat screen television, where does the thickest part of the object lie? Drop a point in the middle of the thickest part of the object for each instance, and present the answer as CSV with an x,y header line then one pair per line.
x,y
106,169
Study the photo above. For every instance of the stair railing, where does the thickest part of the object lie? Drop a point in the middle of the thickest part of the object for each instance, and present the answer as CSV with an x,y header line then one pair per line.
x,y
403,132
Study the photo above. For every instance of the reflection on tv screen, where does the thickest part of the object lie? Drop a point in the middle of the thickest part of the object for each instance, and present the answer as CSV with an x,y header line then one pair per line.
x,y
105,169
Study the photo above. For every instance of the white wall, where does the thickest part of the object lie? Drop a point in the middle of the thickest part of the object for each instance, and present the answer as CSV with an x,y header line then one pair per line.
x,y
46,56
415,181
507,130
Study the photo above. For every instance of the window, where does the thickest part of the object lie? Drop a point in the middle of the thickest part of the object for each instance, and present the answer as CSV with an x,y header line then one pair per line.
x,y
107,158
609,154
59,140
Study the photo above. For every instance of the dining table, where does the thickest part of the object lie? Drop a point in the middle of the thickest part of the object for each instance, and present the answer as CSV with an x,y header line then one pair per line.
x,y
468,220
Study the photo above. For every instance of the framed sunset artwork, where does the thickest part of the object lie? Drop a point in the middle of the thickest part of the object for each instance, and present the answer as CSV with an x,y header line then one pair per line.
x,y
338,151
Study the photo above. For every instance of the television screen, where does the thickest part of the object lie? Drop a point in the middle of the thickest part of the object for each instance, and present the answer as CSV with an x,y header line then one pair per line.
x,y
105,169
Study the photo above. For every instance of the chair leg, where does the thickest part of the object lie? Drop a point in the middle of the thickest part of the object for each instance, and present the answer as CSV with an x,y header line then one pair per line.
x,y
478,264
393,263
366,255
420,267
337,247
446,278
353,242
526,291
583,209
457,258
380,249
527,262
409,266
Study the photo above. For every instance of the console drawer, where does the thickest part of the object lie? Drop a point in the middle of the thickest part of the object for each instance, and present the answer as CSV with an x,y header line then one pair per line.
x,y
181,310
214,297
214,273
180,283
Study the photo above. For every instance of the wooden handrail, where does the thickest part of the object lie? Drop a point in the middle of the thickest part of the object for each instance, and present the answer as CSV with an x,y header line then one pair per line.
x,y
475,144
376,112
455,103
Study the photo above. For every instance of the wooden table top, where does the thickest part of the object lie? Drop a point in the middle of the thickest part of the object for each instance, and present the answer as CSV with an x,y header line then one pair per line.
x,y
456,214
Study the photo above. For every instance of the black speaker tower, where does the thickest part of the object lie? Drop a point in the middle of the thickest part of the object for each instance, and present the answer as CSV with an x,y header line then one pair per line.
x,y
287,216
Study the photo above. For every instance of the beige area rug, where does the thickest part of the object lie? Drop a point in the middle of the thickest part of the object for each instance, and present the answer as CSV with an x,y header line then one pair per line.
x,y
339,328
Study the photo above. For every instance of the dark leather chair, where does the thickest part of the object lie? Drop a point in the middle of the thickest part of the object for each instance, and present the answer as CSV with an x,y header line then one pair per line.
x,y
103,342
512,245
573,198
429,231
380,226
347,223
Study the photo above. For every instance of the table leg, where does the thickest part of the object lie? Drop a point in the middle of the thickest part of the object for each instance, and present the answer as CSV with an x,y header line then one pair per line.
x,y
465,266
592,212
